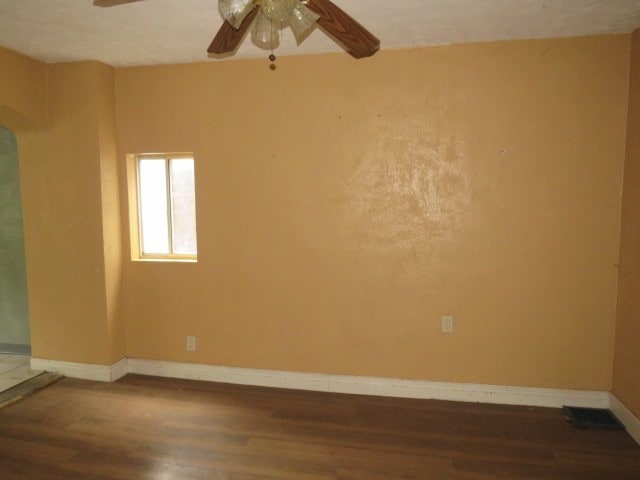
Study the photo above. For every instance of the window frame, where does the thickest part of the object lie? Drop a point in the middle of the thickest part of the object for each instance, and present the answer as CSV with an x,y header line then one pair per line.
x,y
135,206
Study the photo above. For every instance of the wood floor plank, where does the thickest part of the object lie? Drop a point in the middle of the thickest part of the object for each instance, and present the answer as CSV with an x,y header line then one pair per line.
x,y
33,451
153,428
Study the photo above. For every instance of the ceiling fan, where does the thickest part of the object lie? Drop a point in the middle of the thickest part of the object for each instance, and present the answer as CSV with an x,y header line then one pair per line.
x,y
271,16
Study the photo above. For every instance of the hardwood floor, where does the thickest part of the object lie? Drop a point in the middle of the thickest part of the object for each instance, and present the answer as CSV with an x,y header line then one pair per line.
x,y
151,428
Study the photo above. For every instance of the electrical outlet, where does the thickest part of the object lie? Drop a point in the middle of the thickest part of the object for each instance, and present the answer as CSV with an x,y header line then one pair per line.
x,y
447,324
191,344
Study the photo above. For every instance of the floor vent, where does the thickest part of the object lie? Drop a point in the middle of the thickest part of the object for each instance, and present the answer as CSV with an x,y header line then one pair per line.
x,y
592,417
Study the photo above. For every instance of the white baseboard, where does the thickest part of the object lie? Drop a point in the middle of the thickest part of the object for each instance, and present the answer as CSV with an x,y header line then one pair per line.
x,y
119,369
387,387
85,371
627,418
542,397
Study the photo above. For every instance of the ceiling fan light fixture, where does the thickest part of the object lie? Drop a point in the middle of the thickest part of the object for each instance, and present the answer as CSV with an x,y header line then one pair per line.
x,y
235,11
302,20
264,33
268,17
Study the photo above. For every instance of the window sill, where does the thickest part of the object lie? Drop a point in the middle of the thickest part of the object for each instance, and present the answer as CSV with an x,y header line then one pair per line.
x,y
165,260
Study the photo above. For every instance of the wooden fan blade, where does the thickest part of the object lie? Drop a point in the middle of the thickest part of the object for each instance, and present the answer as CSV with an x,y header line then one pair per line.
x,y
228,38
353,37
112,3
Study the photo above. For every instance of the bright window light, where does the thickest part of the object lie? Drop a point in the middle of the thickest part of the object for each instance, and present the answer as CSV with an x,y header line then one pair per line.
x,y
167,207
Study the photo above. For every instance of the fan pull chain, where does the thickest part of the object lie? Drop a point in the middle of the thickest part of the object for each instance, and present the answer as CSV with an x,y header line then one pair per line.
x,y
272,57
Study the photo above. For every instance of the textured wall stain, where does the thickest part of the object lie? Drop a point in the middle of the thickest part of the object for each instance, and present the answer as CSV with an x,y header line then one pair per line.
x,y
413,193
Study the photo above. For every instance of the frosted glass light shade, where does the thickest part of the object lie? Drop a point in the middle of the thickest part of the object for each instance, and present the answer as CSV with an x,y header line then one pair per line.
x,y
234,11
265,34
302,20
278,11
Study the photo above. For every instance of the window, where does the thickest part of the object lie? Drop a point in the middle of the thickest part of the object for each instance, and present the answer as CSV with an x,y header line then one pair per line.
x,y
166,207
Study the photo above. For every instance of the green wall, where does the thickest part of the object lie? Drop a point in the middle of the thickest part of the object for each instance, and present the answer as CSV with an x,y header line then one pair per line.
x,y
14,310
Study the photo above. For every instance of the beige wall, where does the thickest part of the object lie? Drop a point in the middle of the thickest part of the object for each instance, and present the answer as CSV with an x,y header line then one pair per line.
x,y
110,208
63,224
344,206
72,262
23,91
626,377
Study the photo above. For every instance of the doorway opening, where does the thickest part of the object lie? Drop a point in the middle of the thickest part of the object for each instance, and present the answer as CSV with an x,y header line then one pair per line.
x,y
15,343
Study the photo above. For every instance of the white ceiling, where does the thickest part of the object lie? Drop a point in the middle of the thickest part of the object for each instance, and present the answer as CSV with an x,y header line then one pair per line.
x,y
179,31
